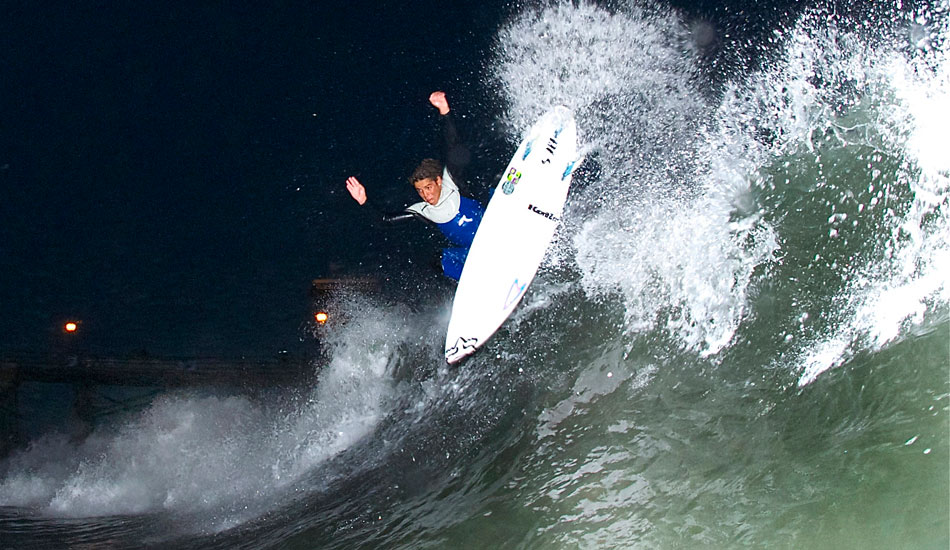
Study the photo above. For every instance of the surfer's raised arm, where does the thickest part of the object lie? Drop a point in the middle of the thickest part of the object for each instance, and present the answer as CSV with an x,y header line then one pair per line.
x,y
440,102
443,202
455,153
358,192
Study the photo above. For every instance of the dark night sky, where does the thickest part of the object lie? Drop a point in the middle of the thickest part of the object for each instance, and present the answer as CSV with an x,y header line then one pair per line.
x,y
173,176
151,158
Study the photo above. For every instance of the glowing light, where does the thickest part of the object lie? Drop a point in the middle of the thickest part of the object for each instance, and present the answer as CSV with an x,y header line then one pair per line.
x,y
71,326
321,317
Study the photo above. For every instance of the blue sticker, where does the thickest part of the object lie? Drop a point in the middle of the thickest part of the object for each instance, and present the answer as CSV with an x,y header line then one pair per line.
x,y
514,293
568,170
527,150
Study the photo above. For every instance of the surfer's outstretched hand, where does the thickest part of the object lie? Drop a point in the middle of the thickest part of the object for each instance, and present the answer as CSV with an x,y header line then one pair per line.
x,y
437,99
356,189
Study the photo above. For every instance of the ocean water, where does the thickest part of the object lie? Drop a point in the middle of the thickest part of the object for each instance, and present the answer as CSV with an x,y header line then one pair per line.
x,y
740,338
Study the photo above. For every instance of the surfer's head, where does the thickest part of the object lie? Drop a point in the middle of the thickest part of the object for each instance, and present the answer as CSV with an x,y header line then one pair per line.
x,y
427,179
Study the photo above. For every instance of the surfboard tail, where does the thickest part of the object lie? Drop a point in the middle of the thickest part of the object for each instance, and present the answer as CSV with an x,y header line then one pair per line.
x,y
462,348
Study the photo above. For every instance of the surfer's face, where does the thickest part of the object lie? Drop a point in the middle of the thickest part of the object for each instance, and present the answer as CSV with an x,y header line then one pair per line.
x,y
429,189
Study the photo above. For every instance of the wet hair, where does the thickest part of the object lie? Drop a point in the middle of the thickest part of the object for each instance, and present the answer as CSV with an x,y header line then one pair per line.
x,y
427,169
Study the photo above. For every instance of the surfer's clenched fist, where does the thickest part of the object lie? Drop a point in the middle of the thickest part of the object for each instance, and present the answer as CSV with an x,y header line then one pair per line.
x,y
437,99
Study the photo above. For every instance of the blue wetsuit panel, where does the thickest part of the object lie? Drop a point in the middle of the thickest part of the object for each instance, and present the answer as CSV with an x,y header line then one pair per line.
x,y
453,259
460,231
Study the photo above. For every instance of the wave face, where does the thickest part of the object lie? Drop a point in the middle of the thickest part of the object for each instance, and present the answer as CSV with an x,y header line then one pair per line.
x,y
740,337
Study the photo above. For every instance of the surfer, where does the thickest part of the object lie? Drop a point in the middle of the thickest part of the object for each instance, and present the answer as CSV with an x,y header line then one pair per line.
x,y
456,216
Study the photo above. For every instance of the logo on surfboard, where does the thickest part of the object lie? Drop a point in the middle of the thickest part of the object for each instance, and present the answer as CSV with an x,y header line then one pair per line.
x,y
511,180
542,213
463,346
551,147
514,293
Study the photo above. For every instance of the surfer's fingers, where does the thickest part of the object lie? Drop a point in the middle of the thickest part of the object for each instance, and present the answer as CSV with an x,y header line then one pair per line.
x,y
356,189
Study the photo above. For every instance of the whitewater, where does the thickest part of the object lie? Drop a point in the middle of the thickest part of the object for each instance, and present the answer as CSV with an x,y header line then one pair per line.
x,y
741,336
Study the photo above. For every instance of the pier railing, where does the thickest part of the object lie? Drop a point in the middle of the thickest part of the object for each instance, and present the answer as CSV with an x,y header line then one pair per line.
x,y
150,371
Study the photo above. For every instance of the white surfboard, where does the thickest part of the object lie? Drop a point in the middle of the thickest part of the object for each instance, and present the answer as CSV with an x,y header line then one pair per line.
x,y
514,233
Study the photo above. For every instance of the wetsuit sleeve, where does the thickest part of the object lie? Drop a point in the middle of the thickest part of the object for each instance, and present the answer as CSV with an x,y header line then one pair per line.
x,y
390,217
455,153
398,217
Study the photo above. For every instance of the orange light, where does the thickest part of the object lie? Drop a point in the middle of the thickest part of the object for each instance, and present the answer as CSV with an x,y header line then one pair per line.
x,y
71,327
321,317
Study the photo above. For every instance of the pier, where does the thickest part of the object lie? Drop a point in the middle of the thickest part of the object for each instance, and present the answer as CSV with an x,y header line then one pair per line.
x,y
92,387
96,387
149,371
